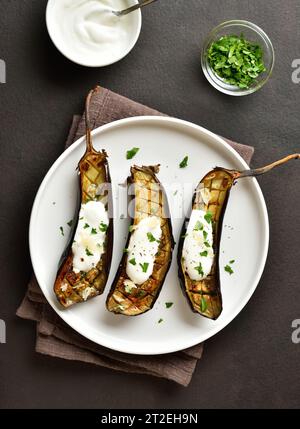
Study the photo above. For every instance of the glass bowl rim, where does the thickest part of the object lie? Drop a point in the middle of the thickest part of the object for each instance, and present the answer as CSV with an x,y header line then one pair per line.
x,y
258,30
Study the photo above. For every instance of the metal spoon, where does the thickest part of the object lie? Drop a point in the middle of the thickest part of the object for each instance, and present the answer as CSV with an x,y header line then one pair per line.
x,y
132,8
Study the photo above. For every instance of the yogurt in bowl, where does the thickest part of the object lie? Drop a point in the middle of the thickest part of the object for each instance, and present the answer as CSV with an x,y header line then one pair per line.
x,y
88,33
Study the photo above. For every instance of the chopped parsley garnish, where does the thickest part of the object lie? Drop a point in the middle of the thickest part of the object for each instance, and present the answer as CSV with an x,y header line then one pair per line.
x,y
208,217
205,253
151,237
132,261
199,226
200,270
206,243
205,234
160,320
144,266
184,162
131,153
203,304
81,218
70,223
125,250
169,304
103,227
88,252
93,231
86,226
232,261
61,230
228,269
236,60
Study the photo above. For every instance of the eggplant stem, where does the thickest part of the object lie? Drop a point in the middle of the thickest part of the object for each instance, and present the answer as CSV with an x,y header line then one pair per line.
x,y
89,144
259,171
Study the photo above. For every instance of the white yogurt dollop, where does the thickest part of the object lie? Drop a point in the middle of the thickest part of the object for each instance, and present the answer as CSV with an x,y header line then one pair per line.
x,y
88,245
143,246
88,30
197,253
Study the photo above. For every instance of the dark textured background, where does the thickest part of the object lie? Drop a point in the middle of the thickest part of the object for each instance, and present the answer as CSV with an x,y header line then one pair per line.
x,y
252,363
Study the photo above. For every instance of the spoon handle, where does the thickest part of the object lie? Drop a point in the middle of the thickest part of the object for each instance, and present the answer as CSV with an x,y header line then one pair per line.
x,y
134,7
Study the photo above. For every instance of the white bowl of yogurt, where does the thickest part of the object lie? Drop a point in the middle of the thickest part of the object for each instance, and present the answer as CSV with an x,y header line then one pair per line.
x,y
88,33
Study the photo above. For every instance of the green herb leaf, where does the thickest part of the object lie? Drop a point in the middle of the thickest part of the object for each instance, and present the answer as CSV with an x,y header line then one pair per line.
x,y
160,320
70,223
206,243
125,250
144,266
200,270
232,261
86,226
184,162
205,253
228,269
203,305
151,237
61,230
169,304
88,252
132,261
205,234
131,153
93,231
208,217
198,226
103,227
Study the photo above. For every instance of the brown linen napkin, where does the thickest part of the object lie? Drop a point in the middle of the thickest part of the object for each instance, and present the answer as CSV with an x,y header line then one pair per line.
x,y
54,337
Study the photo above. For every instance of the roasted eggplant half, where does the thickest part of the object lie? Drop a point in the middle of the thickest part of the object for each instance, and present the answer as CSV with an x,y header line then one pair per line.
x,y
85,264
148,254
199,246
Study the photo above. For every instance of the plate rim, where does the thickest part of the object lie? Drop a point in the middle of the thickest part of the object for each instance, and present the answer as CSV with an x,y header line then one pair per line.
x,y
123,122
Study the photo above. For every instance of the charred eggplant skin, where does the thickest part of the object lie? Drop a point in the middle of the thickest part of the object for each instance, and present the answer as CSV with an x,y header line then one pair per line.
x,y
204,296
94,184
149,200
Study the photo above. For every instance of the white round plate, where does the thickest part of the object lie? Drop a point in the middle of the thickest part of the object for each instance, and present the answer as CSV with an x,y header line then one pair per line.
x,y
164,141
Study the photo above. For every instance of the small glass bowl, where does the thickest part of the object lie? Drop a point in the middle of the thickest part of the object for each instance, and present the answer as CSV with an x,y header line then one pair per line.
x,y
252,33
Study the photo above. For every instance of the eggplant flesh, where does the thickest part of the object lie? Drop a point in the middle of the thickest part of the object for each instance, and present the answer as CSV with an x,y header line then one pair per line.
x,y
211,196
94,180
149,200
70,287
